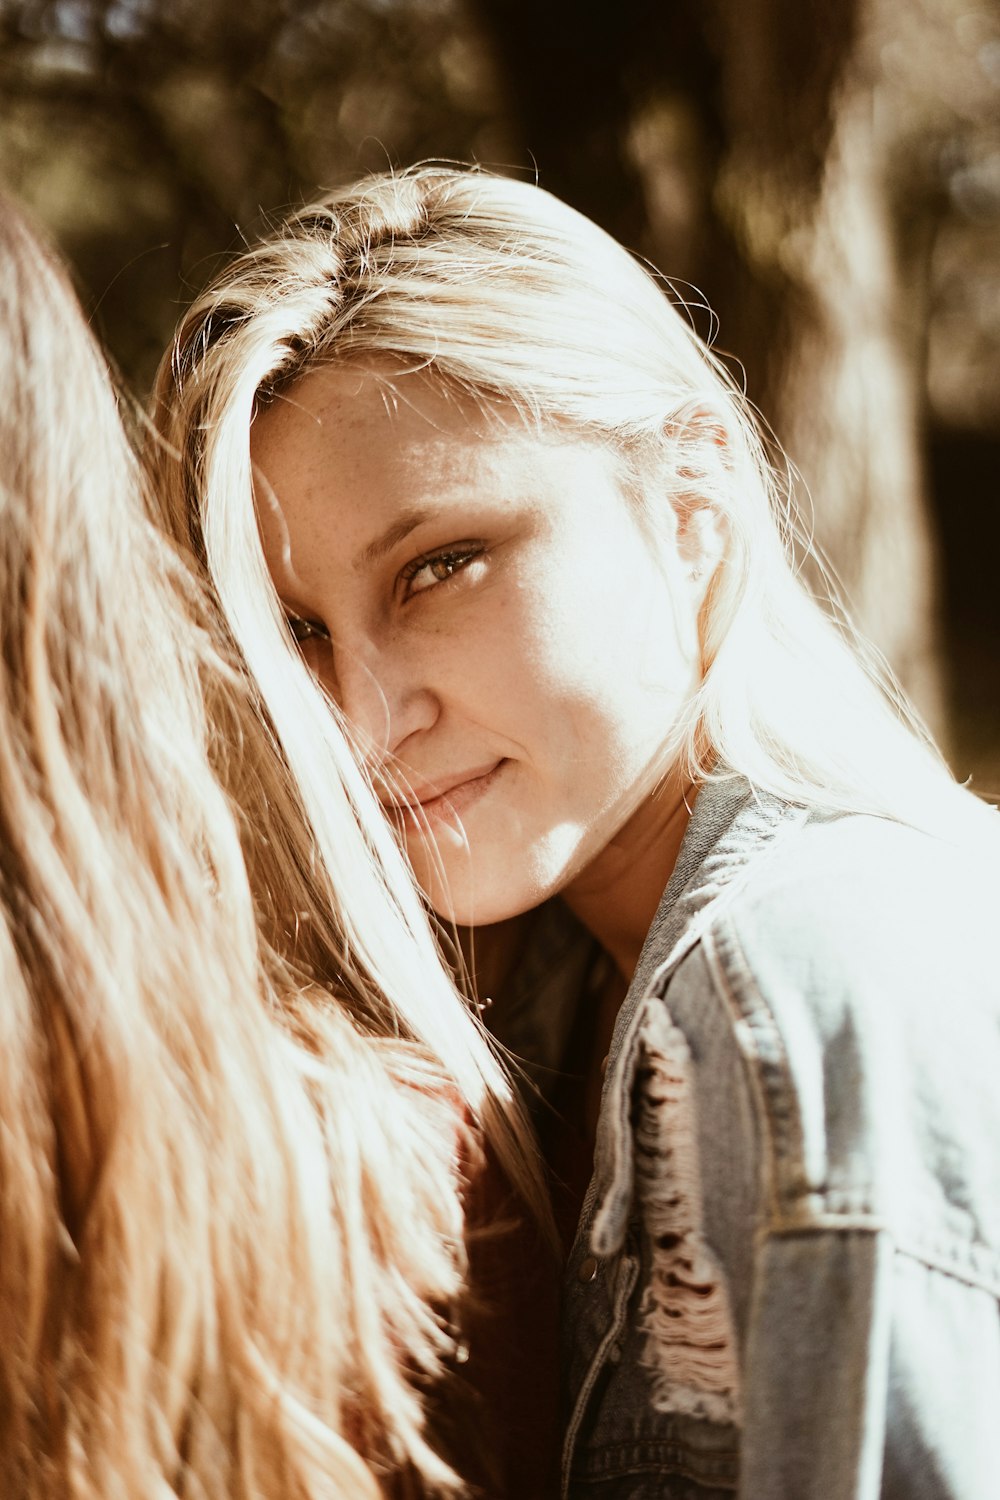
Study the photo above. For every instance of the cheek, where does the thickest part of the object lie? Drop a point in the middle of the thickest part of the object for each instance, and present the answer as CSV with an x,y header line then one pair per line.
x,y
584,690
621,640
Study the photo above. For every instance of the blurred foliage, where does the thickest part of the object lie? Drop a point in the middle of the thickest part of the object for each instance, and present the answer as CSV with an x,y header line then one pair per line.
x,y
941,86
149,135
154,128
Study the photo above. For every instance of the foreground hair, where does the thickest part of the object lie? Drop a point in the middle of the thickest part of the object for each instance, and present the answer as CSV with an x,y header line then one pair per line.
x,y
230,1227
495,288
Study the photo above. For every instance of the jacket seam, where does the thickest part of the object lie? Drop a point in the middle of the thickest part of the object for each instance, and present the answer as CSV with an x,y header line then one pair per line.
x,y
626,1275
646,1456
760,1041
785,1187
904,1246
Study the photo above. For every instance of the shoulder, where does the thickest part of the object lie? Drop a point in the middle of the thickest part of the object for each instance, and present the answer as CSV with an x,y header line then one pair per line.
x,y
848,901
857,964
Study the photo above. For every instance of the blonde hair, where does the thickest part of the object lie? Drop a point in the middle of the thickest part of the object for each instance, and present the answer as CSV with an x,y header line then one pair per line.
x,y
230,1222
497,288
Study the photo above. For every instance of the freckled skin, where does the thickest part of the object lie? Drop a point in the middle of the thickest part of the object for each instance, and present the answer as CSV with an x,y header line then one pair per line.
x,y
522,630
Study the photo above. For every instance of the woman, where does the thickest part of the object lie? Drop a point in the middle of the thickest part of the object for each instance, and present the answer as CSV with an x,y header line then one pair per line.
x,y
231,1234
453,456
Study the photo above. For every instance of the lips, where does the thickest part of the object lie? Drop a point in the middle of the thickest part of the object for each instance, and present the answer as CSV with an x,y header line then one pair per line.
x,y
429,797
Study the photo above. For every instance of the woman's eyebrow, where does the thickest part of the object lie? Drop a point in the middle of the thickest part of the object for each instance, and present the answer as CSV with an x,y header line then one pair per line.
x,y
386,540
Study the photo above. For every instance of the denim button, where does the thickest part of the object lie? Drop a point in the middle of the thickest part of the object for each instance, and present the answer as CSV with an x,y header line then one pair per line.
x,y
588,1269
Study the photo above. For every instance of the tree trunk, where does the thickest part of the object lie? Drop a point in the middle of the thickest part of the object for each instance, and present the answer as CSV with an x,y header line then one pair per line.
x,y
740,146
806,191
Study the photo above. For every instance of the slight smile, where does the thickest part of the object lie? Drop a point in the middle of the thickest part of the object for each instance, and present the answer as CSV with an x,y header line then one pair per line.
x,y
459,794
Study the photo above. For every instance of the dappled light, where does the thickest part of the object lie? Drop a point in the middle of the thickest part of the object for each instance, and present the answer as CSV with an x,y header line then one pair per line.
x,y
831,191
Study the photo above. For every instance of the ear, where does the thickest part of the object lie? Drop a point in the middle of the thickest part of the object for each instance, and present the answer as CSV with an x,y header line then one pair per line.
x,y
703,467
700,543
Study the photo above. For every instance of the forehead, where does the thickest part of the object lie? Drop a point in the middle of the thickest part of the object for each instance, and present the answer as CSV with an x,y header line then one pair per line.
x,y
363,440
360,421
368,413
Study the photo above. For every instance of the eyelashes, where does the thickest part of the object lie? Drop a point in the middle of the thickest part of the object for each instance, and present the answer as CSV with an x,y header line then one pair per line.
x,y
434,568
305,630
420,576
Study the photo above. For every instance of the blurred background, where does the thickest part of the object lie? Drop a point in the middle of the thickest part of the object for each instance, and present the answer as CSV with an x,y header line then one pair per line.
x,y
824,176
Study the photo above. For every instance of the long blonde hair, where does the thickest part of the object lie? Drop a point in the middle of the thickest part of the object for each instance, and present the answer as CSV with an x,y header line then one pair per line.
x,y
497,288
230,1217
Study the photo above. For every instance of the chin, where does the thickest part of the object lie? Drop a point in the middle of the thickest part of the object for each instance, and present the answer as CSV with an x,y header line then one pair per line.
x,y
467,908
460,894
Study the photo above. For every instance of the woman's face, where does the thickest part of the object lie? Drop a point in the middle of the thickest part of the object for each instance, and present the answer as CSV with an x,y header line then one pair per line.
x,y
480,601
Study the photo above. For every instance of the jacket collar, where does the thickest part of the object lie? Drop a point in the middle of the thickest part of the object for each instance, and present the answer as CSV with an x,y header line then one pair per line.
x,y
732,827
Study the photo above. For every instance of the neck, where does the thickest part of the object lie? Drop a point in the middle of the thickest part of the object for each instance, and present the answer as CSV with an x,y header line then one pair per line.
x,y
616,896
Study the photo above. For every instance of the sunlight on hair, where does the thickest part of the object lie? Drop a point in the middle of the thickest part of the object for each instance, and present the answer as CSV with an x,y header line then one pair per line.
x,y
231,1216
495,289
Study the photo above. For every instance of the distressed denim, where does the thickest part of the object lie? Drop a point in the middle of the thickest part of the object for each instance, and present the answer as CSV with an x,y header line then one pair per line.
x,y
786,1276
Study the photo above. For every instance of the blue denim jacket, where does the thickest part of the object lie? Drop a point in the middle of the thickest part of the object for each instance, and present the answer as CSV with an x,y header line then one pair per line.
x,y
786,1276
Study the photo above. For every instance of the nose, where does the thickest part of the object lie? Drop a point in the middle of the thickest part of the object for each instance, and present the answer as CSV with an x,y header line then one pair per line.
x,y
381,695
